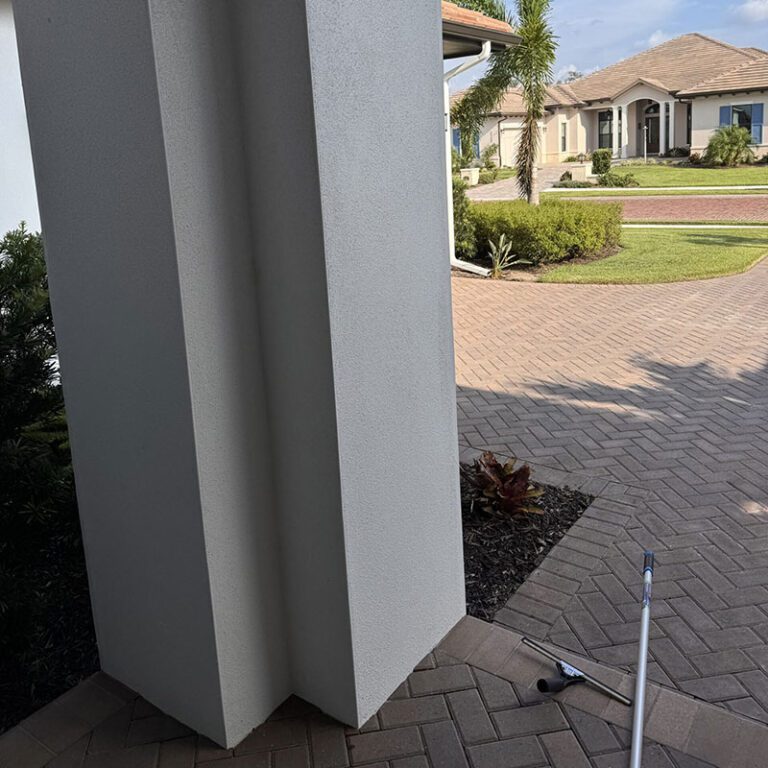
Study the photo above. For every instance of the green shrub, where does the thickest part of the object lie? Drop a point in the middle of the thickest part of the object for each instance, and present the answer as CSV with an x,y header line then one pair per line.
x,y
488,176
487,156
455,162
463,221
47,643
613,179
567,176
550,232
601,161
571,159
729,146
570,184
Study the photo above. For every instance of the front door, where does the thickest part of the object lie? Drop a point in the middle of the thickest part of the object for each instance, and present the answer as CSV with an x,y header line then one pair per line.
x,y
652,132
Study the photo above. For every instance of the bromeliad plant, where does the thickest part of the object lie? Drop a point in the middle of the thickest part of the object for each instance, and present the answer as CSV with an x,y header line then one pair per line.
x,y
503,490
502,257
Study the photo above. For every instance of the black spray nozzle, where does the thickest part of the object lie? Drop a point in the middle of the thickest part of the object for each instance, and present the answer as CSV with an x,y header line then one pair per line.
x,y
555,684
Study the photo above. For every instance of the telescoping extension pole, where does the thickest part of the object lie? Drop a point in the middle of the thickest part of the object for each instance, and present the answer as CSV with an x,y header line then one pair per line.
x,y
642,661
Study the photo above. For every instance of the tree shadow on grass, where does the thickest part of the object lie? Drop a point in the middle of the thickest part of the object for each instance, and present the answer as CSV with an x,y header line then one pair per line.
x,y
740,237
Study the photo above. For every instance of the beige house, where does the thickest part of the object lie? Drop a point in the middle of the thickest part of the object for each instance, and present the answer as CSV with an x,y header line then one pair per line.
x,y
674,95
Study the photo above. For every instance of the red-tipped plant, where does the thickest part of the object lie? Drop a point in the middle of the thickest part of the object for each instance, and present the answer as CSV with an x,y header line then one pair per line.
x,y
503,489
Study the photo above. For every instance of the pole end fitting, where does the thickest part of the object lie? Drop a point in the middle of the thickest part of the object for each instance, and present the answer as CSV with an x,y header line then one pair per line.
x,y
648,562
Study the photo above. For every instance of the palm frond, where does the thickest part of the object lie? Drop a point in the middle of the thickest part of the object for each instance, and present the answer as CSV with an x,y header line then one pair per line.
x,y
529,65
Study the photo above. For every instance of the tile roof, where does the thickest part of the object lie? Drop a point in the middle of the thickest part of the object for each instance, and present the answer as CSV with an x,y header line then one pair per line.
x,y
512,103
452,12
675,65
752,76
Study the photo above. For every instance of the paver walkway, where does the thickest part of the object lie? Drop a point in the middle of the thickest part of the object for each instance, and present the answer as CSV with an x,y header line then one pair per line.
x,y
507,188
662,389
744,208
470,704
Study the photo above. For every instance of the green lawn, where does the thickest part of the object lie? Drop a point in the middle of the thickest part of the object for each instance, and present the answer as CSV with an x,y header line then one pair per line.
x,y
655,175
665,256
506,173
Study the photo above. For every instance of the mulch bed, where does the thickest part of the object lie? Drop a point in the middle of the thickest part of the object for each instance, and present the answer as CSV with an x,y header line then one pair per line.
x,y
500,553
530,274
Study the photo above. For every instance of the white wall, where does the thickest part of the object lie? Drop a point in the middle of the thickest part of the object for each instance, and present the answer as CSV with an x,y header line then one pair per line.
x,y
255,367
706,118
18,200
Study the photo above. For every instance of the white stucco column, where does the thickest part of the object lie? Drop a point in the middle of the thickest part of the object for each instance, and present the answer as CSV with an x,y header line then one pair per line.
x,y
671,140
616,136
662,127
257,367
624,130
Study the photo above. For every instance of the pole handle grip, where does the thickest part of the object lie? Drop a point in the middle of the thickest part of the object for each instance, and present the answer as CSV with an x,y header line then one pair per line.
x,y
648,561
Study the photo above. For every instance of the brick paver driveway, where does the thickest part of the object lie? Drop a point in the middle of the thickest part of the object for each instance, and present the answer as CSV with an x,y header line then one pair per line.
x,y
664,389
742,208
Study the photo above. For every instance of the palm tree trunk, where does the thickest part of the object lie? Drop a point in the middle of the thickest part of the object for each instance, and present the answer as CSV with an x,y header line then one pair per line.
x,y
534,198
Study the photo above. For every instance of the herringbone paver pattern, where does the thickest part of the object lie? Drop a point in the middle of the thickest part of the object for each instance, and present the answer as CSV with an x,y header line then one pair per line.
x,y
662,389
448,714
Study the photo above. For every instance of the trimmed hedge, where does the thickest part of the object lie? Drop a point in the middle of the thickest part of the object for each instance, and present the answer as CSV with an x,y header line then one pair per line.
x,y
601,161
551,232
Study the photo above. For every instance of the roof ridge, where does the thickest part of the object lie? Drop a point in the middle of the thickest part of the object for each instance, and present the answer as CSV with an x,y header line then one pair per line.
x,y
730,71
723,44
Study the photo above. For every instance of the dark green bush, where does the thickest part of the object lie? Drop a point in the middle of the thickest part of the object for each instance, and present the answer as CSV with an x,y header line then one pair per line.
x,y
46,643
463,222
488,176
614,179
570,184
601,161
551,232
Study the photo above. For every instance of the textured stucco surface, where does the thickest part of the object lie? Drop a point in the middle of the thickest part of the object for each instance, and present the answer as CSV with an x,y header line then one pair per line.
x,y
110,243
255,342
378,109
203,143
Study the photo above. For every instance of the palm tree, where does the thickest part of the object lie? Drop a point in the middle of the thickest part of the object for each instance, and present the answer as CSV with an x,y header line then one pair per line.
x,y
530,65
730,145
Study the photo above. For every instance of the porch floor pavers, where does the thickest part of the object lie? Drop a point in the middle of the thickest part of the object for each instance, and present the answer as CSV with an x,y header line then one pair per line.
x,y
661,391
491,716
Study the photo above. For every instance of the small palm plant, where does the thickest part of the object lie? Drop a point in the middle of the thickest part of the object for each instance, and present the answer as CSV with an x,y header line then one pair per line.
x,y
729,146
502,257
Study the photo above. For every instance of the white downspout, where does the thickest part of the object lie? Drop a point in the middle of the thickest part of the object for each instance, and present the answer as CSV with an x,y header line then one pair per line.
x,y
484,55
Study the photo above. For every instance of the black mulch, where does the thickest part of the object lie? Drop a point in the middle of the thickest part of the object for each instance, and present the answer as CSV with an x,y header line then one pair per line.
x,y
500,553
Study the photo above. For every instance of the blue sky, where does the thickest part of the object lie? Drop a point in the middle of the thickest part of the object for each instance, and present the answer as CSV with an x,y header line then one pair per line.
x,y
594,33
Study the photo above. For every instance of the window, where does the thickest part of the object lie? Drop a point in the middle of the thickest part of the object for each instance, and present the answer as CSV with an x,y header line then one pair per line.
x,y
605,129
689,125
741,115
563,137
749,116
